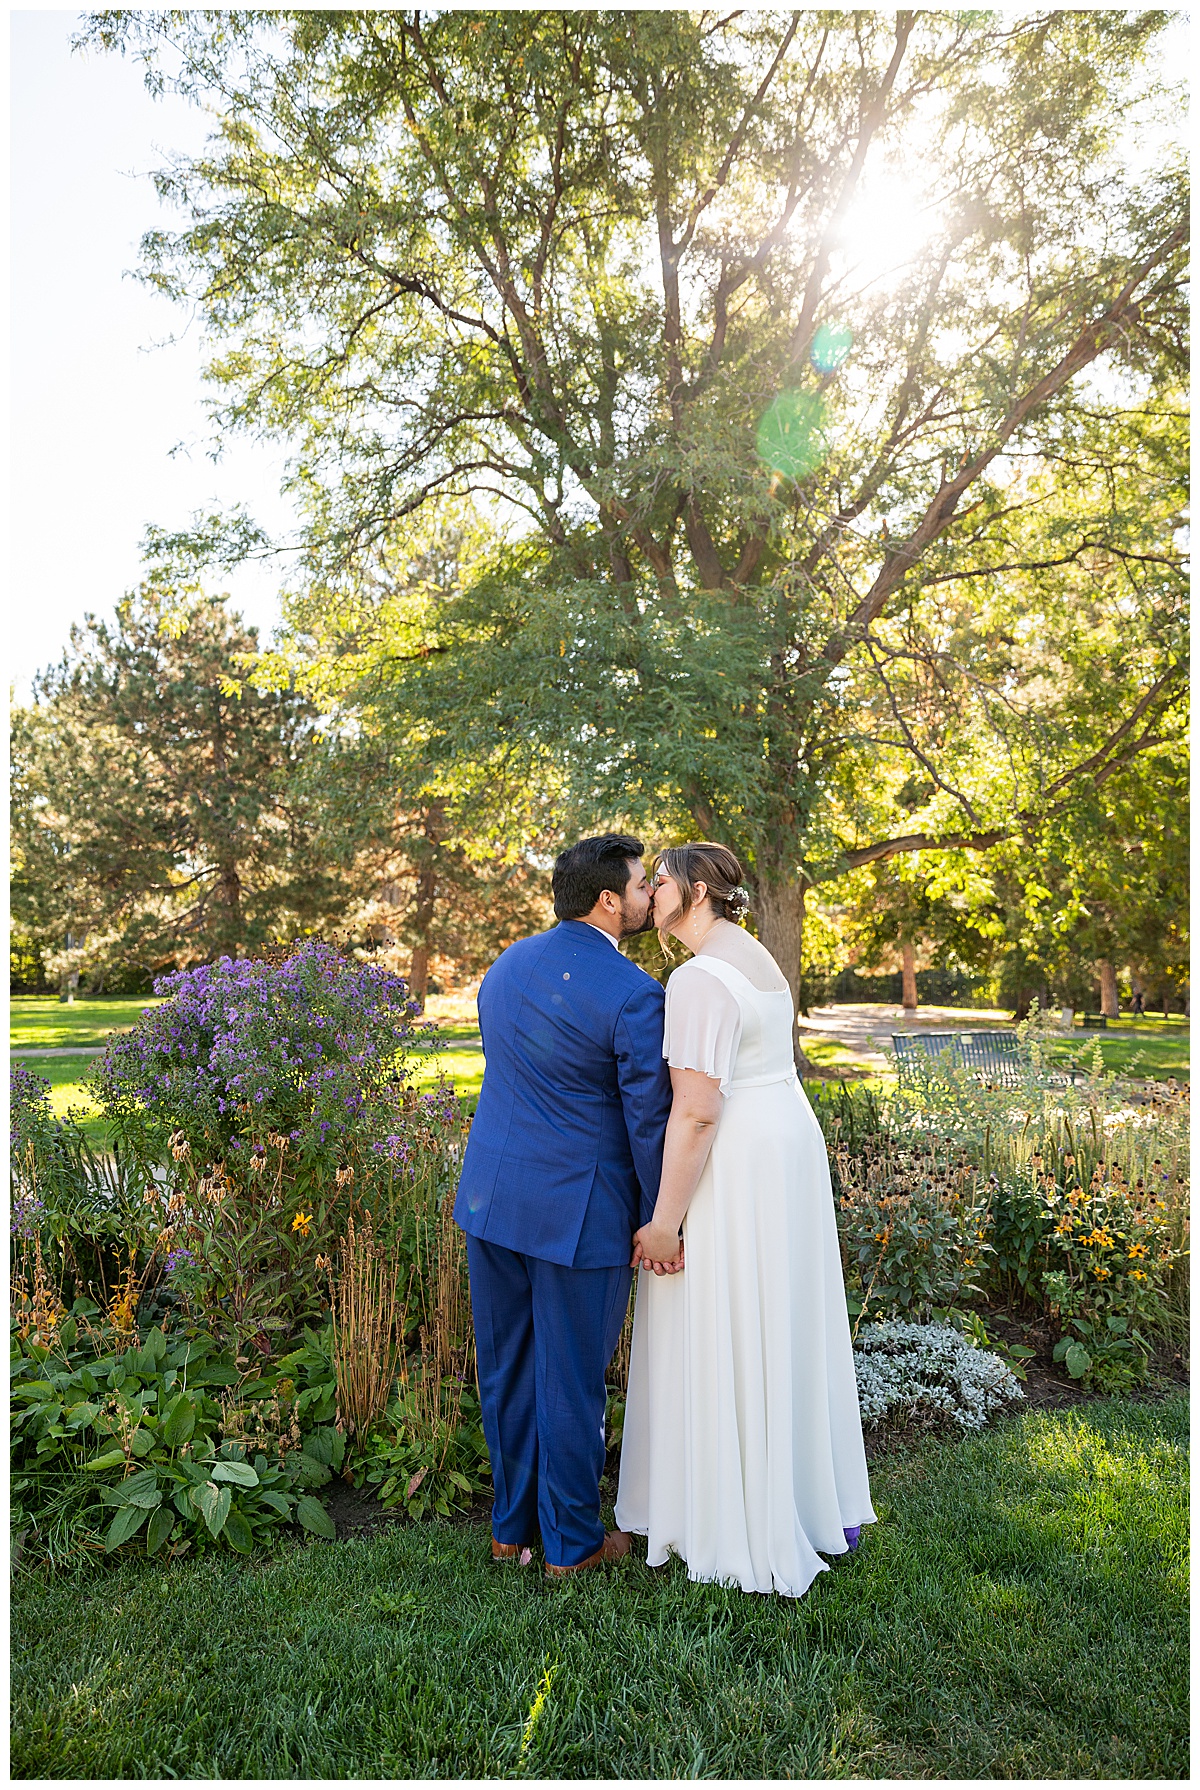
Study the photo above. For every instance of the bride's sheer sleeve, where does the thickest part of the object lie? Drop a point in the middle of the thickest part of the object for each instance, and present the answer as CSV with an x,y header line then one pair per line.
x,y
703,1025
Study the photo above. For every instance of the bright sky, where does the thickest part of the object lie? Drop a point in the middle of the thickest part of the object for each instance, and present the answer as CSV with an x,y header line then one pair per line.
x,y
96,408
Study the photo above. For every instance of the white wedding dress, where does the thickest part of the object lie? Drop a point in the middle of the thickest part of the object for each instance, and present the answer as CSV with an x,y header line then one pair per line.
x,y
742,1450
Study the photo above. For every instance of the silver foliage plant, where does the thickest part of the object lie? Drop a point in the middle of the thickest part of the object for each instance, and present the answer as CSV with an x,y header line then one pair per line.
x,y
907,1368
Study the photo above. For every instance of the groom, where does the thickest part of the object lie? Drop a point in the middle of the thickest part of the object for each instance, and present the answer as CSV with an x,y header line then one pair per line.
x,y
561,1167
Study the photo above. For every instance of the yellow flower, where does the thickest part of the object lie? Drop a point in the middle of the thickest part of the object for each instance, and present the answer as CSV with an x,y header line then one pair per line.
x,y
1100,1273
1137,1275
301,1223
1136,1249
120,1311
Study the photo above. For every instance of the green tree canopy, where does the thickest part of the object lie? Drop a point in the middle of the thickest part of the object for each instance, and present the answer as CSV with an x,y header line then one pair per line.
x,y
821,372
159,819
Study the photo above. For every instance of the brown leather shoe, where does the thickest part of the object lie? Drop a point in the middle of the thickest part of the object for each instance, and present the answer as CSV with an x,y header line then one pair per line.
x,y
615,1546
512,1550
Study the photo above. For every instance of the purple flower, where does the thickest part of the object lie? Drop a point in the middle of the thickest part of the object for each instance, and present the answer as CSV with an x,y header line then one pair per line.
x,y
318,1048
24,1215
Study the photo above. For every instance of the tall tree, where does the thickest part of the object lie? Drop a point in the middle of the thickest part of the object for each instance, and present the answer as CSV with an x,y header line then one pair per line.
x,y
159,820
440,880
797,342
1098,893
1105,896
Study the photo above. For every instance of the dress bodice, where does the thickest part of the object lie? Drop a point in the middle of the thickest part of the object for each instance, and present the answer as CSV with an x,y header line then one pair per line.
x,y
737,1033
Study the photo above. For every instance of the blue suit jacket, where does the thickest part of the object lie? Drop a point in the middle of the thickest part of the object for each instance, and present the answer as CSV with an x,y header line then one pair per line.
x,y
565,1152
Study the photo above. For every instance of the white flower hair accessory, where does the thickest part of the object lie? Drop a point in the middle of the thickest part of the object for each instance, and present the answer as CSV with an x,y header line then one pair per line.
x,y
738,901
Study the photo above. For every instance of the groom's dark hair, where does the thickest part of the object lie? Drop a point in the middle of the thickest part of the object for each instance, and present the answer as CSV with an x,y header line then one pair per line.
x,y
584,871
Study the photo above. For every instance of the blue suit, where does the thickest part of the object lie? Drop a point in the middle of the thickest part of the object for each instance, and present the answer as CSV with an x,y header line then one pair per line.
x,y
561,1167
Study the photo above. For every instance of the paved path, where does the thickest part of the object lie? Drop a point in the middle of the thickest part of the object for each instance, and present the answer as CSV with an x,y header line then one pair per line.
x,y
62,1050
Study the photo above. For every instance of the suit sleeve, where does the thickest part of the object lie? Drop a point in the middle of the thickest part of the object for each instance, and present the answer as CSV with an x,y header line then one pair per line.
x,y
645,1086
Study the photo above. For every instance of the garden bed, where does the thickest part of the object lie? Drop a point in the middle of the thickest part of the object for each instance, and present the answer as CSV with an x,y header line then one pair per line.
x,y
250,1319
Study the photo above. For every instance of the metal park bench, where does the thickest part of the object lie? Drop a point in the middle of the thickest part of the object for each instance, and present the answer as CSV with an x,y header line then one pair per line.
x,y
994,1054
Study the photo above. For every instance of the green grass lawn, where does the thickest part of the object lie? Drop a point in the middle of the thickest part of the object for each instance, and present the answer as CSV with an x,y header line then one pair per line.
x,y
1153,1025
831,1056
461,1061
1020,1610
1161,1052
68,1089
67,1077
41,1020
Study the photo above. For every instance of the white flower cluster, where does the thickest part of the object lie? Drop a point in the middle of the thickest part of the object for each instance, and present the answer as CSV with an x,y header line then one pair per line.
x,y
1128,1115
909,1367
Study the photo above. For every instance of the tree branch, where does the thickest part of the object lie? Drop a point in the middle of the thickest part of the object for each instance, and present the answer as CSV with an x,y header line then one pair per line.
x,y
1099,767
1091,342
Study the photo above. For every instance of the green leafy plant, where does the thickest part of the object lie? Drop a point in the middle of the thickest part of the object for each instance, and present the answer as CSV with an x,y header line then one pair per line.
x,y
104,1446
429,1455
1110,1251
273,1094
89,1211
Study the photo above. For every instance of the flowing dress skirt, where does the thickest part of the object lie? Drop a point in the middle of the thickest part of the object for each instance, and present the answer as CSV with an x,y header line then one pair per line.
x,y
742,1449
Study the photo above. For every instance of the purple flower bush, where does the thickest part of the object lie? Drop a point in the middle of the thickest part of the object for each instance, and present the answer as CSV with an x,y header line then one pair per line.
x,y
316,1049
274,1098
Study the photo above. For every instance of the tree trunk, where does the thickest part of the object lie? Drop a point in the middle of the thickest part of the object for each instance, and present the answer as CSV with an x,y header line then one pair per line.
x,y
418,975
229,894
1108,990
908,976
427,889
70,981
779,910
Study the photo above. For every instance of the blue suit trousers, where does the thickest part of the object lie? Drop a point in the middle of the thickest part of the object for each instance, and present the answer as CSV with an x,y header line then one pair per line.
x,y
544,1336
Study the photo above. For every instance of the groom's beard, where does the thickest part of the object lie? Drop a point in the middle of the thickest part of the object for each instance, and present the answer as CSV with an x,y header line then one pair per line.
x,y
630,928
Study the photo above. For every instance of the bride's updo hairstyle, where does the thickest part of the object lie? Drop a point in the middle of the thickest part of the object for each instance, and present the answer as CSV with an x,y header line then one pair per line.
x,y
713,865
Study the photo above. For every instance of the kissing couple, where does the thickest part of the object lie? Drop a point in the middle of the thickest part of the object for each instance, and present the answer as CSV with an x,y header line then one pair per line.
x,y
620,1127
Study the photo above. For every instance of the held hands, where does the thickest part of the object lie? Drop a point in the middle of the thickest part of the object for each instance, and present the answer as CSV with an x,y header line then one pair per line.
x,y
658,1246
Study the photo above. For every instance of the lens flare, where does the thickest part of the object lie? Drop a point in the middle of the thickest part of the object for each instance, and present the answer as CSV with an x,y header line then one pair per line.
x,y
791,438
830,348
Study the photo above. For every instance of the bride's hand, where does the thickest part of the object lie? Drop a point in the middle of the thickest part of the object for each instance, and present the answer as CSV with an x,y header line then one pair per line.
x,y
661,1248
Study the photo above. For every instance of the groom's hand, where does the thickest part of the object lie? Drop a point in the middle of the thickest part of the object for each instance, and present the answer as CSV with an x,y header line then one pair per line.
x,y
657,1246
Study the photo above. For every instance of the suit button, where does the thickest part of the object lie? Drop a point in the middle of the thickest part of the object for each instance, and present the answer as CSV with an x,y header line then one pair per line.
x,y
566,975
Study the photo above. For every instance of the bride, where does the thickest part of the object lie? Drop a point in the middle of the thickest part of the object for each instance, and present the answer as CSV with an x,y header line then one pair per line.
x,y
742,1449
